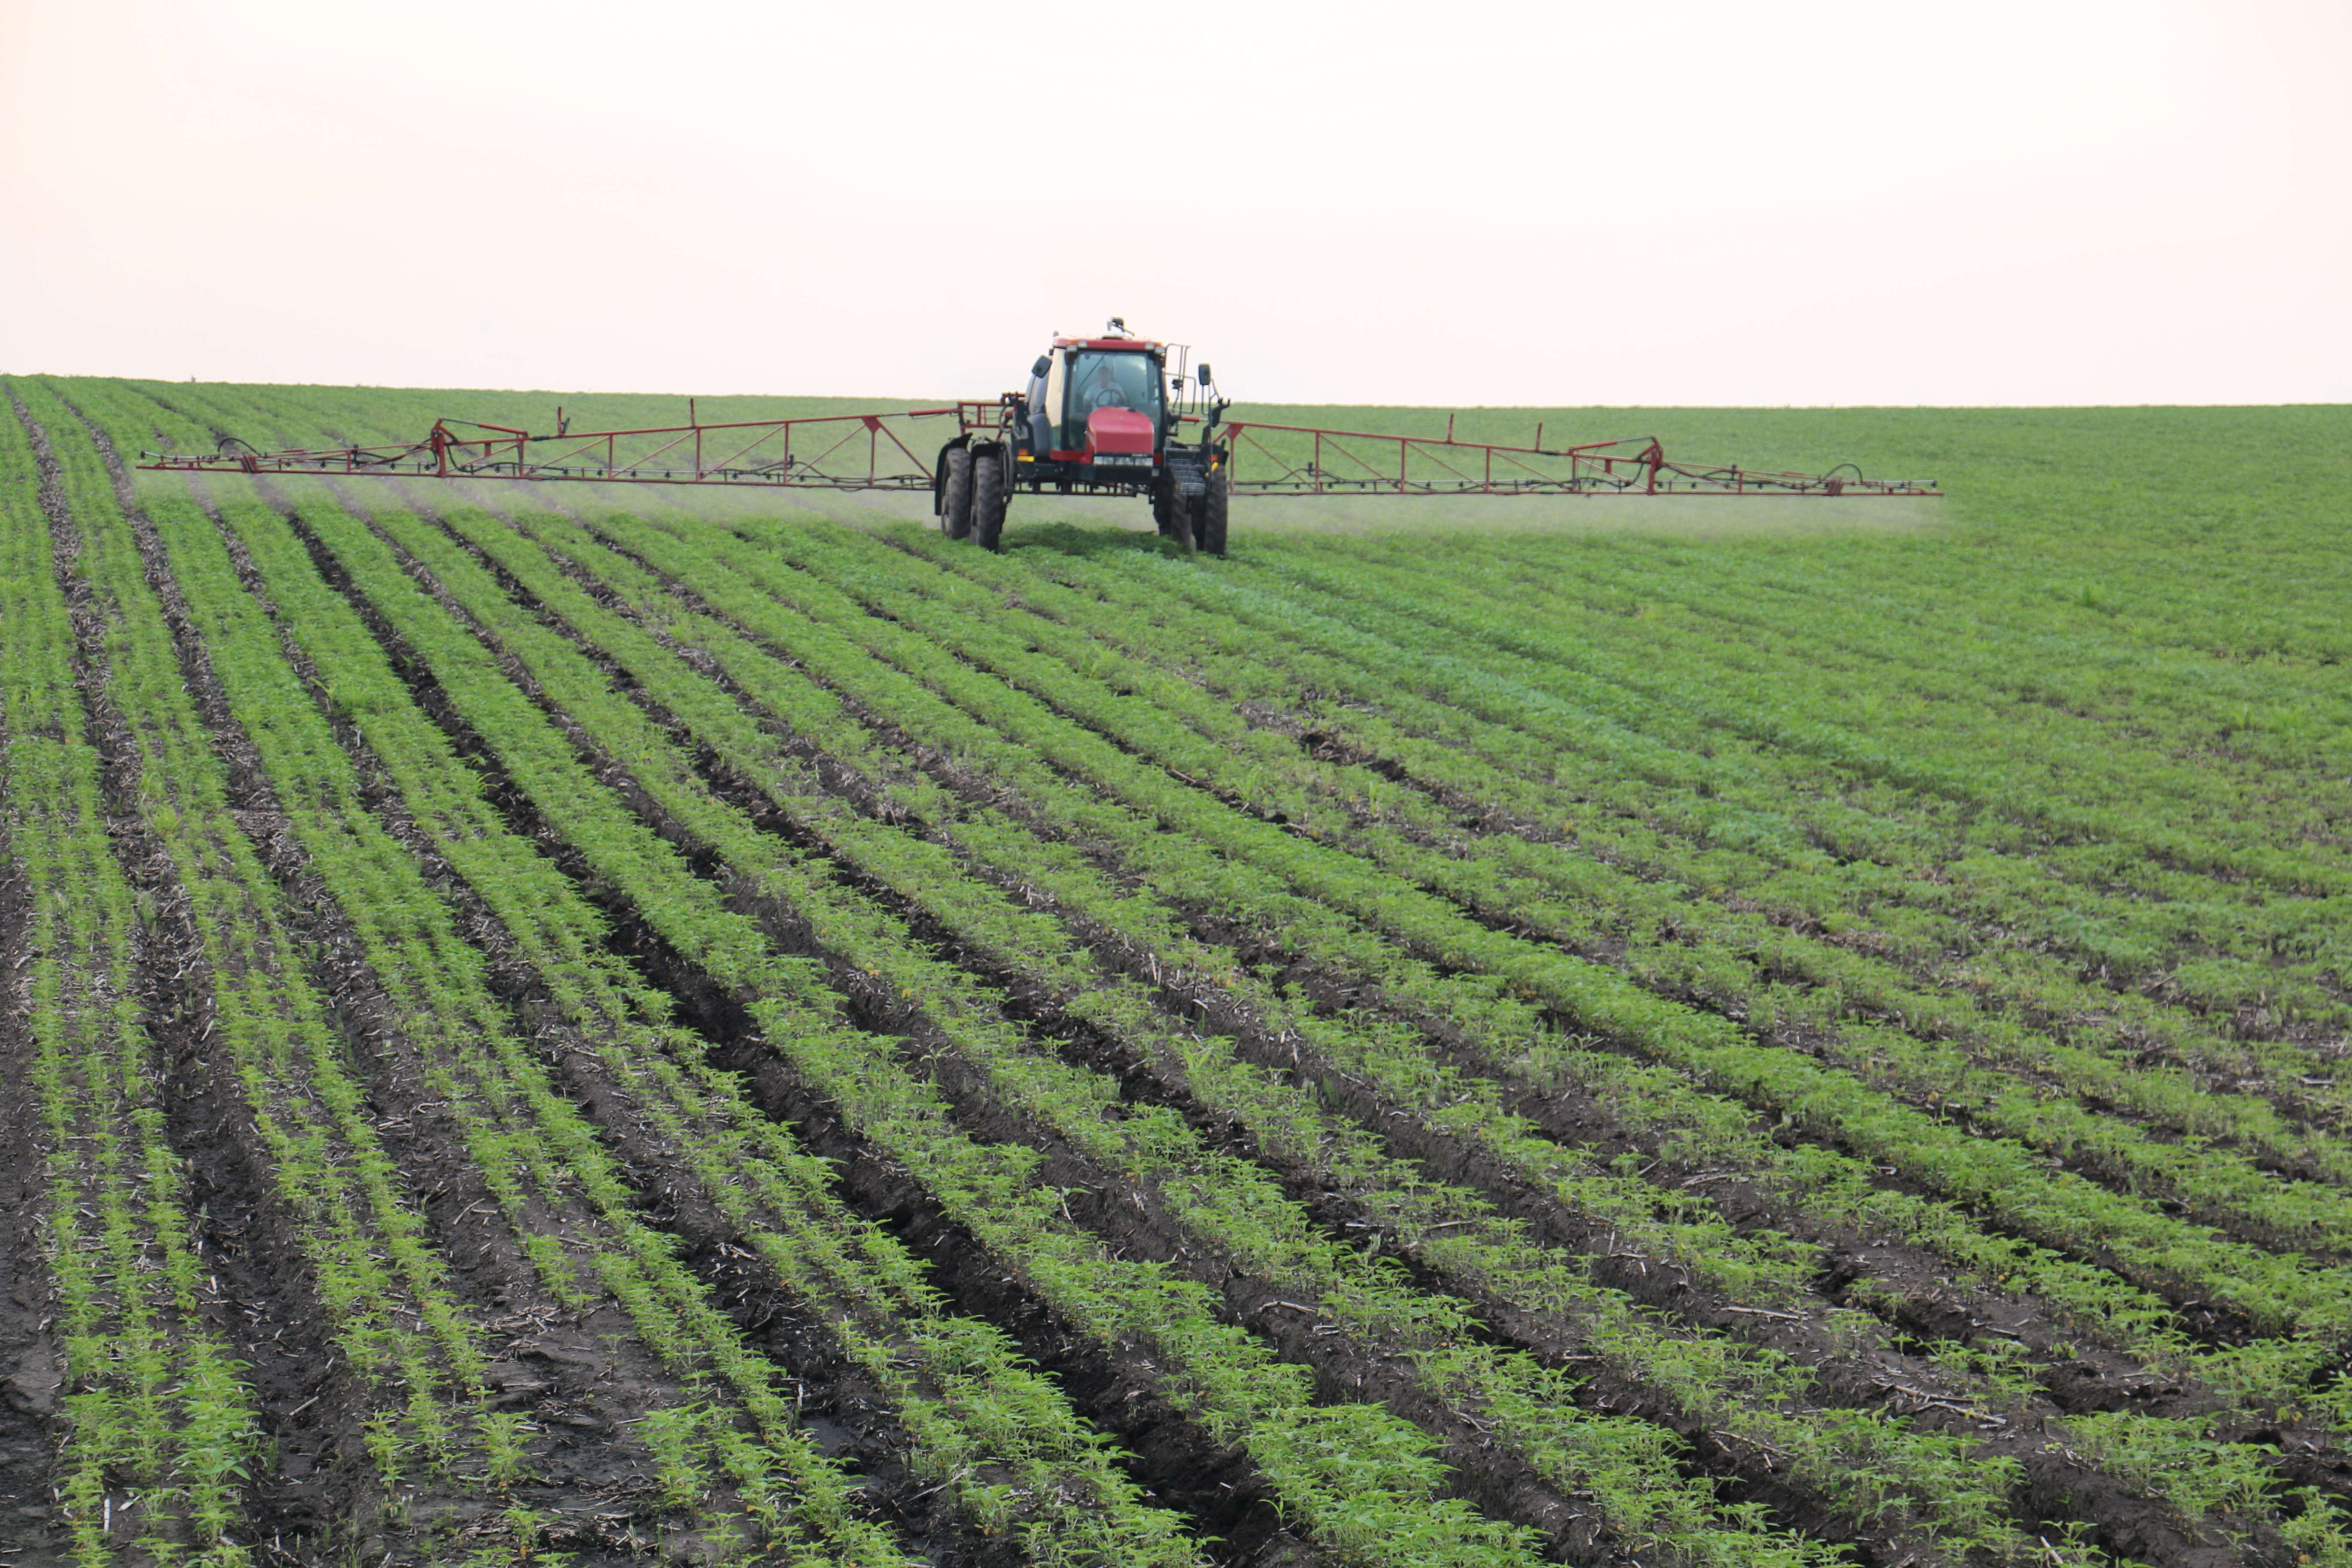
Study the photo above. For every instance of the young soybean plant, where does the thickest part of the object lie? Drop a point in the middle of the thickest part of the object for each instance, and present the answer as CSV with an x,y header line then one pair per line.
x,y
674,1436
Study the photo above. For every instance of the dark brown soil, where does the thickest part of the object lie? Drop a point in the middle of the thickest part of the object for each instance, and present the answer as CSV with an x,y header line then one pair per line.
x,y
32,1360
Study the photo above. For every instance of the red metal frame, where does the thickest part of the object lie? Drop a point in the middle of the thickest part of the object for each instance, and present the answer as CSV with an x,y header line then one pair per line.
x,y
823,452
819,451
1360,462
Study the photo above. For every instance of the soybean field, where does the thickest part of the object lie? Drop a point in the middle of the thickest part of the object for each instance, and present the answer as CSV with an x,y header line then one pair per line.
x,y
624,1026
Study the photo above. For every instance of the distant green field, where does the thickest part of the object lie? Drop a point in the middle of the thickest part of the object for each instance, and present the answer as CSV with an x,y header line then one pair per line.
x,y
653,1025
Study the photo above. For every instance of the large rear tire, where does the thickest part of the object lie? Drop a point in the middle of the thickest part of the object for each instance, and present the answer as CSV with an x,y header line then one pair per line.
x,y
989,499
955,493
1213,505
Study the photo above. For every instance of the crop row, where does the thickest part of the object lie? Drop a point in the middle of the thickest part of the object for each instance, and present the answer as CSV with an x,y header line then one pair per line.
x,y
1452,1230
1494,586
1591,565
1859,1192
2269,1288
158,1413
2217,832
803,650
526,1143
1530,1404
1221,1373
365,1244
1971,851
1468,740
2286,722
1035,806
1714,773
1945,708
1743,964
971,1407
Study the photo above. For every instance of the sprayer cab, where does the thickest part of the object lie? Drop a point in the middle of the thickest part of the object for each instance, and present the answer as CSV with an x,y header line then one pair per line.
x,y
1101,414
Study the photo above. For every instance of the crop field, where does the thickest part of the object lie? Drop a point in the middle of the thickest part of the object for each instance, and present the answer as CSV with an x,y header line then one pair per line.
x,y
600,1025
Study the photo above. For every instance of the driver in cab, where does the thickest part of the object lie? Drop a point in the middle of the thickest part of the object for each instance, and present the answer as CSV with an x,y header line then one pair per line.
x,y
1104,391
1113,381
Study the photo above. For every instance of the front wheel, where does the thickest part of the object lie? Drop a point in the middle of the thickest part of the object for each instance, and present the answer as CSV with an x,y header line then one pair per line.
x,y
955,493
1183,522
989,499
1211,528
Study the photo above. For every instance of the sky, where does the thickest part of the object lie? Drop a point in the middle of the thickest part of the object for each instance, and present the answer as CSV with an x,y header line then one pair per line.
x,y
1663,203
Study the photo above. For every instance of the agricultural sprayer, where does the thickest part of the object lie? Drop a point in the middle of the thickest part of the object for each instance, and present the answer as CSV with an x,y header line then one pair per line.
x,y
1115,415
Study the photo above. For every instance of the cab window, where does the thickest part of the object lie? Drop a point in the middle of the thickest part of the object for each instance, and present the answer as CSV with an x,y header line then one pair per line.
x,y
1108,380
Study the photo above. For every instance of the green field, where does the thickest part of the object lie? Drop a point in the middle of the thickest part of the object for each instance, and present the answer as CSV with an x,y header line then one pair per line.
x,y
600,1025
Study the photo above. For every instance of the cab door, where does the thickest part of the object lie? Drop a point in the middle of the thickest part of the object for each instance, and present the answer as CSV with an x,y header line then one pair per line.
x,y
1057,392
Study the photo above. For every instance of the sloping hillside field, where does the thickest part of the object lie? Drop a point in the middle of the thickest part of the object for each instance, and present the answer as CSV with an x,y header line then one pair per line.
x,y
629,1027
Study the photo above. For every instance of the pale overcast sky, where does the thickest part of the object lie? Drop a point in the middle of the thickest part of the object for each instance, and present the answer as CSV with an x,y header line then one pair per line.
x,y
1650,202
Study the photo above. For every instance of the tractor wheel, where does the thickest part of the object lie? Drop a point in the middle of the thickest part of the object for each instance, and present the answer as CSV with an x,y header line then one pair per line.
x,y
955,493
1210,528
1183,522
989,501
1165,504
